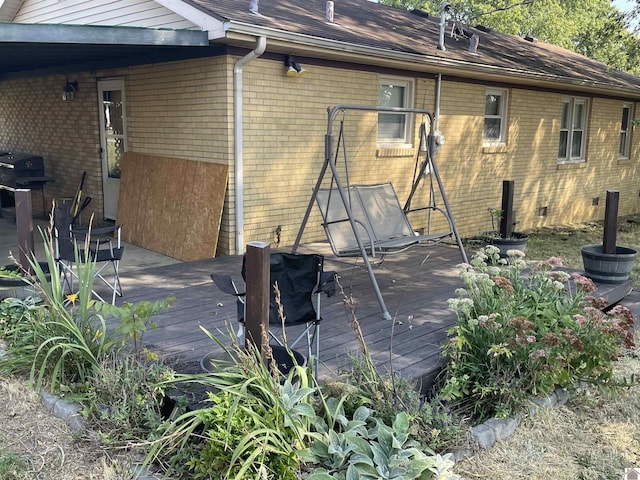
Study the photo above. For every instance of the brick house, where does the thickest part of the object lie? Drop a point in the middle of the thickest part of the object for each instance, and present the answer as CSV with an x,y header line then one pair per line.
x,y
207,81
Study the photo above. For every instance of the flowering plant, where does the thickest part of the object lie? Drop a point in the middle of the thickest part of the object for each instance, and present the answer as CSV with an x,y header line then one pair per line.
x,y
522,330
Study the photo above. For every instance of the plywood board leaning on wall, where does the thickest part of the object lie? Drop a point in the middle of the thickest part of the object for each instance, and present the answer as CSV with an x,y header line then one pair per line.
x,y
171,205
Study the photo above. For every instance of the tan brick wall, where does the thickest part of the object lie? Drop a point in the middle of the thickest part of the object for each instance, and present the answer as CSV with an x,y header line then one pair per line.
x,y
185,109
284,144
34,119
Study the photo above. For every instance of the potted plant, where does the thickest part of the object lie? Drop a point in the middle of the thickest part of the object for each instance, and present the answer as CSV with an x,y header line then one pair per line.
x,y
505,241
504,237
608,262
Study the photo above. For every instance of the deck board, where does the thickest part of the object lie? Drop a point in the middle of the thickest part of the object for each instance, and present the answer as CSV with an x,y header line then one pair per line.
x,y
415,290
415,285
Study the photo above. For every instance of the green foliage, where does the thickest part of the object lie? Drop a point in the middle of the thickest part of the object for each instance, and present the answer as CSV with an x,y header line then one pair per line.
x,y
13,467
122,400
135,319
432,423
367,448
524,332
254,426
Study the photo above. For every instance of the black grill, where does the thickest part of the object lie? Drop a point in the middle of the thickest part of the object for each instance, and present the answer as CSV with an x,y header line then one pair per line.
x,y
21,170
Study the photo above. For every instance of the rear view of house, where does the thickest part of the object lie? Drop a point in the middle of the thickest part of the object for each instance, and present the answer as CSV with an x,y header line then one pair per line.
x,y
210,116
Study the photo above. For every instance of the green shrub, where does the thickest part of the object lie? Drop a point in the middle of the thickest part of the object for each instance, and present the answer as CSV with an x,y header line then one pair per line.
x,y
432,423
122,399
254,426
522,332
366,448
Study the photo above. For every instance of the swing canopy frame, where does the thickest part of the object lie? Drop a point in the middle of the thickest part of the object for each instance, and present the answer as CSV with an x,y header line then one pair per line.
x,y
367,221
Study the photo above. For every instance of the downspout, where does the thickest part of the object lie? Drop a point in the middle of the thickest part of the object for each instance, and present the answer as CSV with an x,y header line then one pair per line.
x,y
238,134
436,122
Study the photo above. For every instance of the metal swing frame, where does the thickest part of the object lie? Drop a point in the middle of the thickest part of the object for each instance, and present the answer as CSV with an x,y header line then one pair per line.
x,y
428,167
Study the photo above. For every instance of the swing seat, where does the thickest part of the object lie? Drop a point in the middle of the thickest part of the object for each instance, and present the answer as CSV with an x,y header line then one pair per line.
x,y
381,223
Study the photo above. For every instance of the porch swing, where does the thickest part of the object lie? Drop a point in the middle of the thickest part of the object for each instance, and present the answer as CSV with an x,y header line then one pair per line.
x,y
367,221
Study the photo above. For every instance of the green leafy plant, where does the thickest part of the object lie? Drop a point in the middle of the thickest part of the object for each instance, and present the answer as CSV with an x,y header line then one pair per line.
x,y
123,400
13,467
432,423
254,426
59,341
366,447
523,331
135,319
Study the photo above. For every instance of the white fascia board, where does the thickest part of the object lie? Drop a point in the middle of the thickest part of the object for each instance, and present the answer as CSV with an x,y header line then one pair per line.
x,y
216,28
420,63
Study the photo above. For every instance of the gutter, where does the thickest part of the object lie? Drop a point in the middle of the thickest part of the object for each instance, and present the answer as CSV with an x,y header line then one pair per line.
x,y
358,53
238,136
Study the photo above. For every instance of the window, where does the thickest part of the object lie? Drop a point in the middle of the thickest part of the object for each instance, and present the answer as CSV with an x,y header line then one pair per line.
x,y
573,134
495,117
625,131
395,128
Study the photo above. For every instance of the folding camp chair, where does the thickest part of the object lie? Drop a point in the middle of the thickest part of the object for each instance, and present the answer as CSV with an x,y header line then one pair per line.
x,y
300,280
101,246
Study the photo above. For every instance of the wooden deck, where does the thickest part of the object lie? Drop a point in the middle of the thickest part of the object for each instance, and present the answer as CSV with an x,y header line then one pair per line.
x,y
415,285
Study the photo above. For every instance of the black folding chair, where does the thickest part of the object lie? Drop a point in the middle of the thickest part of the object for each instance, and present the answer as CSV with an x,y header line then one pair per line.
x,y
300,280
101,246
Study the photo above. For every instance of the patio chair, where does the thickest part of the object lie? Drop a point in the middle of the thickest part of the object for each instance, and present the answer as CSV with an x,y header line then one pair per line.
x,y
102,246
301,281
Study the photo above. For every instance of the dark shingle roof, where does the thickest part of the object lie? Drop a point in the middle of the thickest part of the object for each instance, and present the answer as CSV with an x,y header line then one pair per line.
x,y
396,31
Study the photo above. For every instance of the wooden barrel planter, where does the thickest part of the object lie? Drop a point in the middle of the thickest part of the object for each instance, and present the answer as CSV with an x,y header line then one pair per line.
x,y
517,241
609,263
608,267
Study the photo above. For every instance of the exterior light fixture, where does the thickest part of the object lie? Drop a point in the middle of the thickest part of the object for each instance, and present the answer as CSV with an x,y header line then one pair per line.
x,y
294,69
69,91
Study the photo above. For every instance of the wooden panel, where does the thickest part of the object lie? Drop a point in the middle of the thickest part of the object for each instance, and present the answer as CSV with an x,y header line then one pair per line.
x,y
172,206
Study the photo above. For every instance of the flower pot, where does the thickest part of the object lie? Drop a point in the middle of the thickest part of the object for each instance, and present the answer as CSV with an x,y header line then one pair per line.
x,y
517,241
608,267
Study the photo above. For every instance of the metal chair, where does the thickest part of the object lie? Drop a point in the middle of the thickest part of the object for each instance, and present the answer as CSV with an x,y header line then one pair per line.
x,y
300,280
102,246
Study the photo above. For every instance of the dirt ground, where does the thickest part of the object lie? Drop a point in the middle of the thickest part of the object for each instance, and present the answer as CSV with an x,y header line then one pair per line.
x,y
49,449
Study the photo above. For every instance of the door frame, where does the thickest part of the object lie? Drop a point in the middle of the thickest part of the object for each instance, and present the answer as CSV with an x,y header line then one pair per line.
x,y
110,186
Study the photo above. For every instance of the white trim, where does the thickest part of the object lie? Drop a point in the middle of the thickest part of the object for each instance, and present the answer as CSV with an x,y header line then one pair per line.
x,y
9,9
215,28
503,93
408,101
571,128
625,154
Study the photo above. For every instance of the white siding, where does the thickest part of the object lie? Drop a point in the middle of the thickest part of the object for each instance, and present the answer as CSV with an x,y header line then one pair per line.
x,y
129,13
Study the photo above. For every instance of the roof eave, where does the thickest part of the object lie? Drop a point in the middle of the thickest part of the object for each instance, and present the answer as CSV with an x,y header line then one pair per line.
x,y
99,35
279,40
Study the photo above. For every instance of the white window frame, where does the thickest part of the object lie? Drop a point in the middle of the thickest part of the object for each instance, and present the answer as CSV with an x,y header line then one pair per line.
x,y
624,139
571,128
405,140
501,115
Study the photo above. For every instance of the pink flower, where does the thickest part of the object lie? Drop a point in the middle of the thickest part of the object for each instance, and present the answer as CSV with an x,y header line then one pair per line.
x,y
580,319
584,283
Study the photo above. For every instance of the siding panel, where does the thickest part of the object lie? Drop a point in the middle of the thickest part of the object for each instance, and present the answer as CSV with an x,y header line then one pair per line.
x,y
131,13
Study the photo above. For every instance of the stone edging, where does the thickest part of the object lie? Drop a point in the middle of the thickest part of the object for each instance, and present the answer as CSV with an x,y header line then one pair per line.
x,y
485,435
69,412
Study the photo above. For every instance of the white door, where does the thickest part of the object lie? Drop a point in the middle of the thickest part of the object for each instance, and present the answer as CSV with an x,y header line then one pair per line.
x,y
113,140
